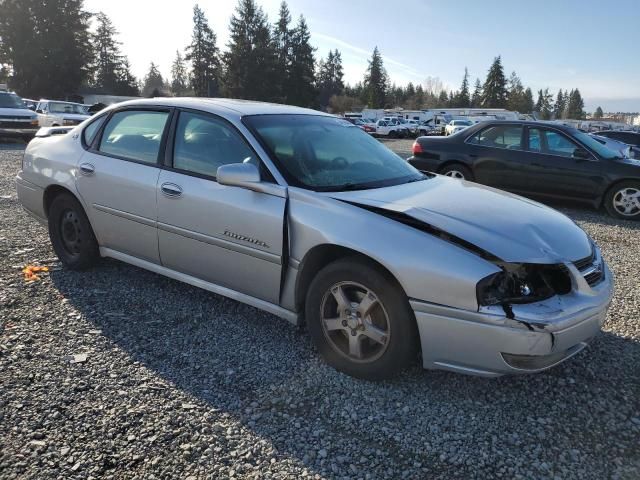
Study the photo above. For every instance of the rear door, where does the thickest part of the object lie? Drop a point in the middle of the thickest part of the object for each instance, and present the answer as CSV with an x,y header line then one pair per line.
x,y
117,179
225,235
498,156
556,171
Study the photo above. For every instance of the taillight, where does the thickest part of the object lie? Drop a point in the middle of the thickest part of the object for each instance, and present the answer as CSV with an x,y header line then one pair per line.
x,y
416,148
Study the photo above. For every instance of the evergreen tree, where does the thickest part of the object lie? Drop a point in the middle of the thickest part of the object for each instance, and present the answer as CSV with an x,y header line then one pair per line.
x,y
528,101
46,45
560,105
330,77
443,99
179,78
111,70
251,56
463,99
419,99
476,97
301,82
153,82
376,81
543,105
598,113
575,105
204,56
494,91
283,43
516,100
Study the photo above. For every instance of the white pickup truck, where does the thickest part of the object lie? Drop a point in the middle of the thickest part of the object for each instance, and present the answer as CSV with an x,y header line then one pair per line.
x,y
389,128
16,120
53,113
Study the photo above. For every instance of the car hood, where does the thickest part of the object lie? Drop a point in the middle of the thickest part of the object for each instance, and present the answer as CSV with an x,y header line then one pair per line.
x,y
511,228
17,112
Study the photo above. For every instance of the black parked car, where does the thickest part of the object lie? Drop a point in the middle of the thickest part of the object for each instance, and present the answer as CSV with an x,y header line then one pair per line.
x,y
630,138
536,159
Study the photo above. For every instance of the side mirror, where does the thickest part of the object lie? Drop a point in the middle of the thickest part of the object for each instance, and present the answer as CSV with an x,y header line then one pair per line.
x,y
31,107
581,154
245,175
39,110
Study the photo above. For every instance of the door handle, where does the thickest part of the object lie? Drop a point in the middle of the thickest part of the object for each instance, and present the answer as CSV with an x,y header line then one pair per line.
x,y
87,169
171,189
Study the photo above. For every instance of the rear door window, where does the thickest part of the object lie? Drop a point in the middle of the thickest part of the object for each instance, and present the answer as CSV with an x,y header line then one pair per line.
x,y
499,136
134,135
558,144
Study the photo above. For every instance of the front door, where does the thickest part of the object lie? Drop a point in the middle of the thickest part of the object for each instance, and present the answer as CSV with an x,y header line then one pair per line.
x,y
225,235
117,180
555,170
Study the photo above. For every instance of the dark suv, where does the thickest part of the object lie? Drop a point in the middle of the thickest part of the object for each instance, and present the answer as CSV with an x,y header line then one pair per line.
x,y
536,159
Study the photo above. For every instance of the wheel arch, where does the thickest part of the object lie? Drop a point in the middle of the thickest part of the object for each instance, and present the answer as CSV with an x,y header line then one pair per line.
x,y
455,161
322,255
613,185
51,192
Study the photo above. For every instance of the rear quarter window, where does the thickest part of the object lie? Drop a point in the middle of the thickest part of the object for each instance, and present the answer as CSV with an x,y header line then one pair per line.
x,y
90,131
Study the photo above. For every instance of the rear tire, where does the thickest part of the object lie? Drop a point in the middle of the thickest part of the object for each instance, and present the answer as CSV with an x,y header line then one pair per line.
x,y
71,234
457,170
371,332
393,134
623,200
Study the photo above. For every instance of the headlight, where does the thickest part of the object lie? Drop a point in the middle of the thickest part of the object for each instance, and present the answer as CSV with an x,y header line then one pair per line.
x,y
523,283
34,122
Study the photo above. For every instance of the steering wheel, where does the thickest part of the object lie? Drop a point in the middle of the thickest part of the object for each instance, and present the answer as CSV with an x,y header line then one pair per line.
x,y
339,163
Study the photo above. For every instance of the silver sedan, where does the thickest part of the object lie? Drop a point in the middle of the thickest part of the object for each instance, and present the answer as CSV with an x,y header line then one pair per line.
x,y
304,215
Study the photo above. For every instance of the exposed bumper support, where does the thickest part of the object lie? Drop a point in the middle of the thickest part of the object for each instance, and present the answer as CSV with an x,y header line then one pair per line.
x,y
540,336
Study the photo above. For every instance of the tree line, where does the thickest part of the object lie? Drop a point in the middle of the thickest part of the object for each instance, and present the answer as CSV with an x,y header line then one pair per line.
x,y
56,48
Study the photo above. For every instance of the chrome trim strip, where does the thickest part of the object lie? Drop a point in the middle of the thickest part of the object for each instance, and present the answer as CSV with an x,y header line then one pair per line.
x,y
125,215
277,310
220,242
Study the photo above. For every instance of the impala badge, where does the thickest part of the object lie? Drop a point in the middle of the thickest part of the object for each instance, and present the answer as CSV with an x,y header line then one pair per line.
x,y
245,239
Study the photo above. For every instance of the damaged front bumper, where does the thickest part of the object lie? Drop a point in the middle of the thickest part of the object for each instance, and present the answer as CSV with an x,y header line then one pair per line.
x,y
539,336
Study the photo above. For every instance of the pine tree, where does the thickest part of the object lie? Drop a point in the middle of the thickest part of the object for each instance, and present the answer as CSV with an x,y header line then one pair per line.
x,y
476,97
251,56
543,105
111,70
301,82
46,45
330,78
515,95
204,56
528,101
376,81
463,99
560,105
495,86
575,105
153,82
283,38
598,113
179,78
443,99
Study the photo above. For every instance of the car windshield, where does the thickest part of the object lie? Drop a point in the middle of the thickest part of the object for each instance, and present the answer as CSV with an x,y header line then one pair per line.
x,y
10,100
595,145
58,107
462,123
325,153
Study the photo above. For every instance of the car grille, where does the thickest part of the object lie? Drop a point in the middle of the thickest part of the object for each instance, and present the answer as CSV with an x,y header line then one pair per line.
x,y
14,124
591,269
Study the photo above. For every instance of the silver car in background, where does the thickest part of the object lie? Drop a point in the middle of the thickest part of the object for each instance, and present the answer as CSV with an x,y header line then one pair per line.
x,y
304,215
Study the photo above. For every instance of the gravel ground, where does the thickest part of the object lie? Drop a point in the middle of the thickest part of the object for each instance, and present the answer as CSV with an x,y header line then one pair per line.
x,y
120,373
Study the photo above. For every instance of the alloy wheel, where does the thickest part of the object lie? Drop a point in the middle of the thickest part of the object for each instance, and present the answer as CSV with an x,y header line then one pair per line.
x,y
627,202
355,322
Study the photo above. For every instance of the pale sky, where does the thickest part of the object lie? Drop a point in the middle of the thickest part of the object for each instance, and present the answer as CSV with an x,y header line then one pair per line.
x,y
589,44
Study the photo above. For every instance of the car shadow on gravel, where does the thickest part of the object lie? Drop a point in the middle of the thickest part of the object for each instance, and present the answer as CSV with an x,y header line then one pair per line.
x,y
265,373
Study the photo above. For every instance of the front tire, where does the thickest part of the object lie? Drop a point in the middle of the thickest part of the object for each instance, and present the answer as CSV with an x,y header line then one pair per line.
x,y
623,200
360,320
71,234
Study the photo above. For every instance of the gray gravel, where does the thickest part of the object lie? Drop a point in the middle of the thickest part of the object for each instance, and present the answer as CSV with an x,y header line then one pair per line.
x,y
180,383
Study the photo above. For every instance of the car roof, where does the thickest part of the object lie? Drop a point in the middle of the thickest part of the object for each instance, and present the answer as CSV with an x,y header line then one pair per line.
x,y
227,105
557,126
59,101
